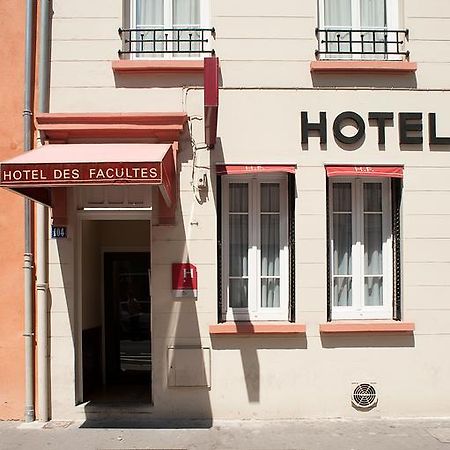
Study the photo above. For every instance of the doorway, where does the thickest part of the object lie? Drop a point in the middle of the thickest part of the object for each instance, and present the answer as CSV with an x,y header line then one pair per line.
x,y
127,320
115,268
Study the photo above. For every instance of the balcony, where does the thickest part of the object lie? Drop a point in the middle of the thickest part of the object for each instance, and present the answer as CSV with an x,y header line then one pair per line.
x,y
166,43
361,44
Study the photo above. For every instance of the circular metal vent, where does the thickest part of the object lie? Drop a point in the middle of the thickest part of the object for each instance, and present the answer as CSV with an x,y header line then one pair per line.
x,y
364,396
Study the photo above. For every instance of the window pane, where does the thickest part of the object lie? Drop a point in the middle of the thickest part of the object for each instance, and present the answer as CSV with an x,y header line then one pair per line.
x,y
373,13
342,244
238,197
149,20
238,246
342,291
342,197
238,293
186,12
372,197
338,13
149,12
270,244
373,291
373,244
270,197
270,293
373,16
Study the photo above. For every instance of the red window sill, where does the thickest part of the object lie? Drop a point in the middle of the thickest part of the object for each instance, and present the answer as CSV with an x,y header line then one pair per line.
x,y
251,328
158,66
387,67
365,326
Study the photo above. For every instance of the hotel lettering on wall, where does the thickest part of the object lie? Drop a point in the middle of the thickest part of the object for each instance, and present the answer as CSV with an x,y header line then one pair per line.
x,y
410,128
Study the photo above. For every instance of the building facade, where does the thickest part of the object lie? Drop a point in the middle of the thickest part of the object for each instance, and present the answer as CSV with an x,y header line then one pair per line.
x,y
12,19
279,253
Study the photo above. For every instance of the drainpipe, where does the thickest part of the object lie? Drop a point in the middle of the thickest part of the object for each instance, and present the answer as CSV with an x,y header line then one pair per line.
x,y
29,414
42,227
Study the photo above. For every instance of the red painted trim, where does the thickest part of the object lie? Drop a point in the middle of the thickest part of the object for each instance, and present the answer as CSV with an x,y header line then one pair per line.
x,y
157,66
250,328
41,195
166,213
150,118
234,169
365,171
63,132
363,66
211,99
59,206
367,327
168,187
165,127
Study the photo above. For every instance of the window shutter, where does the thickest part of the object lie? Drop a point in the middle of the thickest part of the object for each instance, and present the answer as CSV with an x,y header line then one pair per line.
x,y
396,192
291,244
327,187
220,317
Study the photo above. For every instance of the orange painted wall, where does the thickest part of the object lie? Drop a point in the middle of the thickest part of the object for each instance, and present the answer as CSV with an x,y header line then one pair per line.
x,y
12,21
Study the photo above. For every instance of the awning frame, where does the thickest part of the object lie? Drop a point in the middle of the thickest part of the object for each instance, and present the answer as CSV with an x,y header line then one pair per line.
x,y
371,170
245,169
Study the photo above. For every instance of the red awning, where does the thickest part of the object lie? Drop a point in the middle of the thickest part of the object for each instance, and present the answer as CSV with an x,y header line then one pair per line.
x,y
365,171
34,173
234,169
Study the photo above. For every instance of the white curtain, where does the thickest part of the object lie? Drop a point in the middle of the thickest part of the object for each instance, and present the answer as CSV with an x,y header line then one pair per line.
x,y
373,16
238,245
373,244
373,13
270,245
186,14
337,14
149,13
149,16
342,244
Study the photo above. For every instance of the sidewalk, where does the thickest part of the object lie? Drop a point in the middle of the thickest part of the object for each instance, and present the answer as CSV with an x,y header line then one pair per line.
x,y
376,434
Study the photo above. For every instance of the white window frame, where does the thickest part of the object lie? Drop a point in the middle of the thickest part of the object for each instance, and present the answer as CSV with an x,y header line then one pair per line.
x,y
392,23
358,310
254,310
168,23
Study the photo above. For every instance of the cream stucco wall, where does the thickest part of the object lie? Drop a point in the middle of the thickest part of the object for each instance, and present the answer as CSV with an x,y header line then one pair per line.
x,y
265,49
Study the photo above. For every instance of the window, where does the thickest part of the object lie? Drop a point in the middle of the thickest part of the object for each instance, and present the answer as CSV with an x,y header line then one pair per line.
x,y
255,254
167,28
364,248
360,29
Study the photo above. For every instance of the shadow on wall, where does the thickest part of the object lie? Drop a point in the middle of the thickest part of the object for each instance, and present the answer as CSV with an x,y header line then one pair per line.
x,y
365,340
362,80
248,345
181,378
157,80
64,250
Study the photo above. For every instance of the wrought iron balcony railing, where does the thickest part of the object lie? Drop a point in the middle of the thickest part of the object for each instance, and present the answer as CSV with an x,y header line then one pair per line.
x,y
160,42
365,43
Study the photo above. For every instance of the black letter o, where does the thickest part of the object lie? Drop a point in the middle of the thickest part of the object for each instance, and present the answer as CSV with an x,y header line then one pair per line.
x,y
337,126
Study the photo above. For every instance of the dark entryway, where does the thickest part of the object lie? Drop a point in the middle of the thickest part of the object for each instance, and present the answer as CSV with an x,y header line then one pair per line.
x,y
127,324
127,337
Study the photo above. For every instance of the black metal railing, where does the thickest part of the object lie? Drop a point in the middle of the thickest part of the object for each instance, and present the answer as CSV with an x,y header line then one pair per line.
x,y
156,41
373,43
